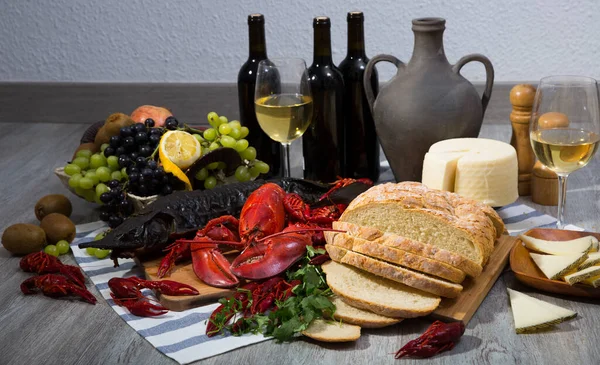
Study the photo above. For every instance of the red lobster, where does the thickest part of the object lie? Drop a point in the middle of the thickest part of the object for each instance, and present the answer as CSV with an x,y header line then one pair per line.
x,y
42,263
251,298
267,249
54,285
126,292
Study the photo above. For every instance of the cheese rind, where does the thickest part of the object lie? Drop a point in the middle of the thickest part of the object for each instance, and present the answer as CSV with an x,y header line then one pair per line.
x,y
583,244
593,259
482,169
595,281
531,314
582,275
555,267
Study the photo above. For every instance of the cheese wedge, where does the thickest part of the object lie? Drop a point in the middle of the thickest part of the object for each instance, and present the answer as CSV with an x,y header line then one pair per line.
x,y
595,244
592,260
531,314
582,275
555,267
583,244
595,281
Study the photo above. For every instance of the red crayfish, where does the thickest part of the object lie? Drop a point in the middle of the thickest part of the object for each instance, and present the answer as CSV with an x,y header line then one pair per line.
x,y
42,263
126,292
267,247
437,338
54,285
251,298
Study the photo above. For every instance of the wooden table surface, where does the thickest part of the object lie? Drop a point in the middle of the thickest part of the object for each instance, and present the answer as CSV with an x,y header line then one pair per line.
x,y
40,330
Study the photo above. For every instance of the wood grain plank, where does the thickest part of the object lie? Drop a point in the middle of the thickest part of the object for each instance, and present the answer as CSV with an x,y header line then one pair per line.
x,y
475,290
184,273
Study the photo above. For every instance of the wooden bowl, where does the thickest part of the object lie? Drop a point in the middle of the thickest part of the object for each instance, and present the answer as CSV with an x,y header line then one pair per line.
x,y
529,274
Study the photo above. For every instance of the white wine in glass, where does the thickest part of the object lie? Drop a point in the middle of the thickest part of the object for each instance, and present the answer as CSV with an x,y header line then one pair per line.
x,y
565,128
283,102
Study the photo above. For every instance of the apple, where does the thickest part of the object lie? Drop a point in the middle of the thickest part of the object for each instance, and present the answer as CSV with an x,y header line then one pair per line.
x,y
157,113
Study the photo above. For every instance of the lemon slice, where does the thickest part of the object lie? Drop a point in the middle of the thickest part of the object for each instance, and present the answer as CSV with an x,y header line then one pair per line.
x,y
181,148
177,150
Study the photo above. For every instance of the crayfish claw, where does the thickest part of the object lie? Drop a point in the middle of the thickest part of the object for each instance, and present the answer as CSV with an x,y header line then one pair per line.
x,y
170,287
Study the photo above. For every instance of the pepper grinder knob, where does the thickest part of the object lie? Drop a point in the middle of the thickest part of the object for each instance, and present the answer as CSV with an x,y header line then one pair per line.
x,y
521,98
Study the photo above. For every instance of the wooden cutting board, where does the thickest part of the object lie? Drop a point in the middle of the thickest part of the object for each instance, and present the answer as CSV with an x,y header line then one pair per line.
x,y
463,307
184,273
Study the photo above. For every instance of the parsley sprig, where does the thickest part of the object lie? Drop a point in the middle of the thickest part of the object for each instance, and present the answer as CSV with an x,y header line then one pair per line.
x,y
311,301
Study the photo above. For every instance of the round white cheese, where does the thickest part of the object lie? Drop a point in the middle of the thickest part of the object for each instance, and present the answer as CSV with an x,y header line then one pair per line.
x,y
482,169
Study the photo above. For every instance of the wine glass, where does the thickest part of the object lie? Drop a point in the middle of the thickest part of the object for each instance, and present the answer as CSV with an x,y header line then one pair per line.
x,y
283,102
565,128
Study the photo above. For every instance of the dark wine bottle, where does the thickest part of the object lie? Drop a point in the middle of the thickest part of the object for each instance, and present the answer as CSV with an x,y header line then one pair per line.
x,y
322,143
361,147
268,150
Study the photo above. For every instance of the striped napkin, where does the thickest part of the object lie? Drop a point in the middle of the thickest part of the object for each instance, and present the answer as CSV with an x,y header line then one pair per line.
x,y
181,335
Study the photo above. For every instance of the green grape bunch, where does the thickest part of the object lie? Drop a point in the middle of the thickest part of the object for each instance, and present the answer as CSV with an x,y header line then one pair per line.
x,y
230,134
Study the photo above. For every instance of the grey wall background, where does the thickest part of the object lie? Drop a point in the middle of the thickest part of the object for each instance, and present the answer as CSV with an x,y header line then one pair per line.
x,y
206,41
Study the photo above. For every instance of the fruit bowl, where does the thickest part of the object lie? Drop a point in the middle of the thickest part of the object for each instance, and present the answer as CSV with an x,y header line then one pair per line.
x,y
139,202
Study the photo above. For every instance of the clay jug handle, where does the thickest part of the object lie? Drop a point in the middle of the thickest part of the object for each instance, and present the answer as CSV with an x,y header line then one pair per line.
x,y
369,71
489,75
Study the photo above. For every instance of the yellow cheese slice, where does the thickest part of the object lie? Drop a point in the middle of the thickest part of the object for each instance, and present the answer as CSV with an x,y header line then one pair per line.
x,y
582,275
532,314
593,259
555,267
583,244
478,168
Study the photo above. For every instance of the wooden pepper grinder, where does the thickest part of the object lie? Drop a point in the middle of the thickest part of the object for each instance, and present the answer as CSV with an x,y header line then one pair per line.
x,y
544,183
521,98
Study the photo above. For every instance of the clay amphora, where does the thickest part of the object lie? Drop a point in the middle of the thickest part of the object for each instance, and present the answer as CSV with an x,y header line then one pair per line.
x,y
426,101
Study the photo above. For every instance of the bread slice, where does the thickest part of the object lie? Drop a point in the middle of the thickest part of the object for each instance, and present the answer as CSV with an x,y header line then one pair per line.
x,y
455,260
399,274
388,298
395,256
440,218
360,317
330,331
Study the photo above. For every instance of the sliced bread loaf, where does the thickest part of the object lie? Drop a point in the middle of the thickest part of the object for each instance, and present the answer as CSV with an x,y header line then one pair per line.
x,y
360,317
363,290
453,259
399,274
395,256
440,218
330,331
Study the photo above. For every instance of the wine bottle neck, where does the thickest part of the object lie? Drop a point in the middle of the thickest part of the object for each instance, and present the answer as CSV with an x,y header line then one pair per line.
x,y
356,38
322,51
257,44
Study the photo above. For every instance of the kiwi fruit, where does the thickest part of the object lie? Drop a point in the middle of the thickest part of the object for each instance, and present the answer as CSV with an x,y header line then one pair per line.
x,y
58,227
23,239
102,137
53,203
115,122
87,146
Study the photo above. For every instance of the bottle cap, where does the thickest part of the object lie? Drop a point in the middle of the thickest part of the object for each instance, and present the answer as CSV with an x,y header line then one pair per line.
x,y
321,20
355,15
256,18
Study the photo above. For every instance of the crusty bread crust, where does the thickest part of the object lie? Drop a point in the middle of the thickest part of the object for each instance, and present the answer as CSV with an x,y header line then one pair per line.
x,y
399,274
395,256
358,297
455,260
360,317
477,220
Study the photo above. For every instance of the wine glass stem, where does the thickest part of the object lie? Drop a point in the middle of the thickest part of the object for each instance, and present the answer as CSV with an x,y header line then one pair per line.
x,y
285,147
562,200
